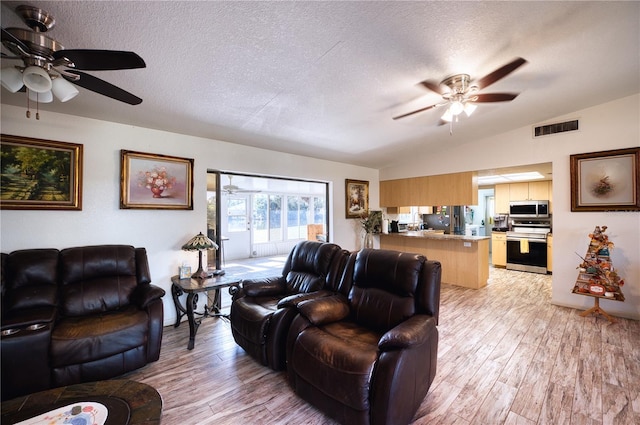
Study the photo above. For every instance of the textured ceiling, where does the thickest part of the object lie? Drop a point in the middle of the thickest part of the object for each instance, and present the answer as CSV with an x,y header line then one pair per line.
x,y
323,79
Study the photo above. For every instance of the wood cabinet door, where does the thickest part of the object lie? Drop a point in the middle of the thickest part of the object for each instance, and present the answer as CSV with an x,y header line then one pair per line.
x,y
539,190
499,249
501,197
519,191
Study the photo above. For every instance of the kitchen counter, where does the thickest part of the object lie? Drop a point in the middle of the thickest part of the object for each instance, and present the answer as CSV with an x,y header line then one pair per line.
x,y
434,234
464,259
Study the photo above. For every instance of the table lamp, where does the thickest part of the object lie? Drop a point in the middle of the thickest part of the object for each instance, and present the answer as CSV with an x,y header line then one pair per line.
x,y
199,243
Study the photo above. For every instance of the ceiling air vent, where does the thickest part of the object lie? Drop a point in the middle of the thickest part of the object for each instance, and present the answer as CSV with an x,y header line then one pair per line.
x,y
561,127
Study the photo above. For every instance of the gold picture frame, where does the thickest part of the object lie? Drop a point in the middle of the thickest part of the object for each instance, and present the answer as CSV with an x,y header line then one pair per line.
x,y
40,174
154,181
356,198
606,180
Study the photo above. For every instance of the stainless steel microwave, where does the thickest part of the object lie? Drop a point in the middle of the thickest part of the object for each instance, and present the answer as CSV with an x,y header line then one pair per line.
x,y
529,209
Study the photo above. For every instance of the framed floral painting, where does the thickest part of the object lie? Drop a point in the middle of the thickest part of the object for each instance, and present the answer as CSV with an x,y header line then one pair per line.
x,y
153,181
606,180
40,174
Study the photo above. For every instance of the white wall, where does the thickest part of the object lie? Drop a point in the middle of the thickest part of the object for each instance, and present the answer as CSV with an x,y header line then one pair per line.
x,y
613,125
161,232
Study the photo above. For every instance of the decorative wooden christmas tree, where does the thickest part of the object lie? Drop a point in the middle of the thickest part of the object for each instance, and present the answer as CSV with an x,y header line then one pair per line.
x,y
596,277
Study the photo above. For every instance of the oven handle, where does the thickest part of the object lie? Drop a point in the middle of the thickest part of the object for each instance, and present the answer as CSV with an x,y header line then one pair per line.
x,y
517,239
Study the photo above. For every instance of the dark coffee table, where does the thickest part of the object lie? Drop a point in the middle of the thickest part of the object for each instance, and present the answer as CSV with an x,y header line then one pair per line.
x,y
192,287
129,402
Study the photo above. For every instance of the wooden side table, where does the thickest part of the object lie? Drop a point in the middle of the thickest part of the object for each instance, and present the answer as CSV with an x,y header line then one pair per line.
x,y
192,287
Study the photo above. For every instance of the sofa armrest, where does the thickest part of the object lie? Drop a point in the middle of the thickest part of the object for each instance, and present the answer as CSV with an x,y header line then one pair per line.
x,y
413,331
144,294
263,287
295,299
320,311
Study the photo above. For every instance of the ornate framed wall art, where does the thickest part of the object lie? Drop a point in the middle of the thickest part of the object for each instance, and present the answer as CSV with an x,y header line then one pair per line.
x,y
154,181
606,180
40,174
357,198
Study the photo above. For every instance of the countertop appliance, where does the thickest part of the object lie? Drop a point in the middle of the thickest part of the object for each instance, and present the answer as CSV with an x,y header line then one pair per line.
x,y
398,227
529,209
527,245
500,223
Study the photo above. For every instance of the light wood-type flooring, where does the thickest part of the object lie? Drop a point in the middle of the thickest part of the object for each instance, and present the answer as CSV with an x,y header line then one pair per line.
x,y
506,356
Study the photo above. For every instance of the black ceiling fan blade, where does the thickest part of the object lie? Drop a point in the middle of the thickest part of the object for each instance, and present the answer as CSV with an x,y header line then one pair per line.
x,y
500,73
414,112
102,87
101,60
494,97
434,87
8,37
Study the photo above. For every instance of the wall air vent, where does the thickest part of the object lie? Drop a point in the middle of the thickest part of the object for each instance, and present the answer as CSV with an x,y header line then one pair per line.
x,y
561,127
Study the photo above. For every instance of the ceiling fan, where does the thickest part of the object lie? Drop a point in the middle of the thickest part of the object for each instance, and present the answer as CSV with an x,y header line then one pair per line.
x,y
232,189
460,93
48,68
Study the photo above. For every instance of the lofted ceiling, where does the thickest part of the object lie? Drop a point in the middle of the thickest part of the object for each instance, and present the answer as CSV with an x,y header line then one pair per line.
x,y
324,79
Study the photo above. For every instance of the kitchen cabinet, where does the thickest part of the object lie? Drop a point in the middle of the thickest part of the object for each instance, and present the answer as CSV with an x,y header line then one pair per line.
x,y
529,191
499,249
504,193
549,253
443,189
501,199
464,259
398,210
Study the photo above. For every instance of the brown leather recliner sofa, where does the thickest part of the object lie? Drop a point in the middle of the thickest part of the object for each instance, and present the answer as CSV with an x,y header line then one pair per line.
x,y
369,357
76,315
262,310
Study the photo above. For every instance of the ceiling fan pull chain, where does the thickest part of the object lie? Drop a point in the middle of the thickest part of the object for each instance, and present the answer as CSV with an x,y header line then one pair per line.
x,y
37,107
28,111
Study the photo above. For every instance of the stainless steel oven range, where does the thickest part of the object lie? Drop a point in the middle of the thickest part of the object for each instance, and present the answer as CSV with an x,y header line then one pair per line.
x,y
527,245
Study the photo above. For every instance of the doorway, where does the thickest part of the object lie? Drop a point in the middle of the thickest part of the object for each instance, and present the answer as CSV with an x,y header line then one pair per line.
x,y
258,216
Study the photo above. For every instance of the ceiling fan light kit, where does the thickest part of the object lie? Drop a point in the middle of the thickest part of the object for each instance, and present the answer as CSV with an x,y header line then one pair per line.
x,y
49,69
462,95
12,79
45,97
64,90
36,79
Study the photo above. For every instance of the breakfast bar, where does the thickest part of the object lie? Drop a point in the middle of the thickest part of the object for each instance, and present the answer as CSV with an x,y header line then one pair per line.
x,y
464,259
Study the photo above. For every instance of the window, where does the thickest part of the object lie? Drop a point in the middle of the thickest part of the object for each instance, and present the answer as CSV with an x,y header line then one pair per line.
x,y
237,215
275,218
297,217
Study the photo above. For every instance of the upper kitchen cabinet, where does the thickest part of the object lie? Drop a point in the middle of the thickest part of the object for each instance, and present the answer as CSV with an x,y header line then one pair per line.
x,y
538,190
502,198
443,189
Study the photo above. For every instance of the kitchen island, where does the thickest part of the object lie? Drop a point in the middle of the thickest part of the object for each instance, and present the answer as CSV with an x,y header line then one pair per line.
x,y
464,259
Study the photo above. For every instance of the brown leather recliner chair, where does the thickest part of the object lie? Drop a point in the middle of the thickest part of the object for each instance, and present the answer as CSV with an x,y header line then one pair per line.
x,y
262,310
369,358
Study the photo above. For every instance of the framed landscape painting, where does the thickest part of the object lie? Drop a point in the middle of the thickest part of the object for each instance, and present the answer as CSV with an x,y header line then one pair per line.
x,y
40,174
357,198
153,181
606,181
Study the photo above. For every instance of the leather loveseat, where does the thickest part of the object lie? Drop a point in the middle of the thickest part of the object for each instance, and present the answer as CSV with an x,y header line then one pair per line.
x,y
262,310
76,315
369,357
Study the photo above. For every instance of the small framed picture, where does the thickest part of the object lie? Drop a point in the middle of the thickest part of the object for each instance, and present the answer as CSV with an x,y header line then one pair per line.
x,y
185,272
